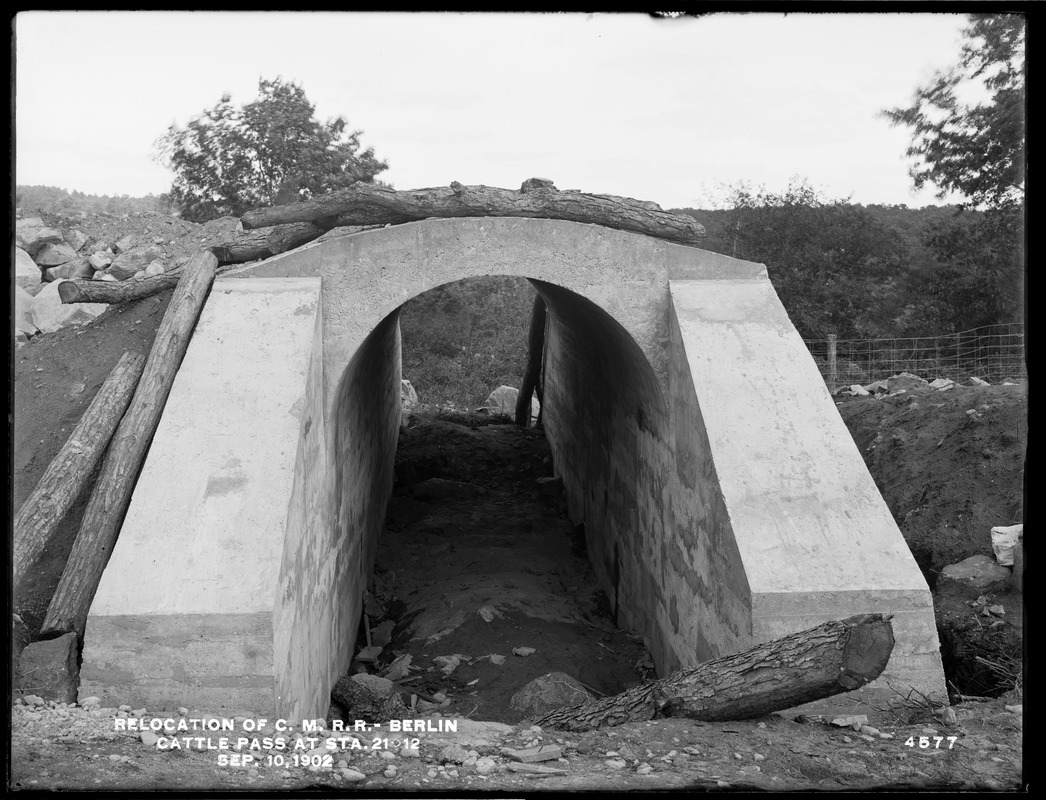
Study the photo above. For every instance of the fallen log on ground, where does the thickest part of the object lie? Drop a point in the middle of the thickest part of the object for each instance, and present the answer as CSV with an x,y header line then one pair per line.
x,y
832,658
91,291
123,460
535,350
368,204
66,476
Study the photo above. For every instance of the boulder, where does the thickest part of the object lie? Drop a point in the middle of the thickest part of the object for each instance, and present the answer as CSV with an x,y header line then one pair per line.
x,y
547,692
50,314
155,268
48,669
27,273
24,311
100,260
32,235
503,401
127,264
856,390
974,576
971,381
102,275
125,244
51,255
905,381
876,386
75,239
942,383
77,268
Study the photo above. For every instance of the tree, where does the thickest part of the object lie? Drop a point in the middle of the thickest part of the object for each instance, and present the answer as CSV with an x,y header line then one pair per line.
x,y
974,148
831,262
273,150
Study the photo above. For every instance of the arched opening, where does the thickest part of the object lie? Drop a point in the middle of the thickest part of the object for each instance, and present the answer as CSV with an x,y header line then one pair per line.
x,y
488,541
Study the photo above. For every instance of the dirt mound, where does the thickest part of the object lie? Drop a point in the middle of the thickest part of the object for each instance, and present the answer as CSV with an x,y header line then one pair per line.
x,y
950,465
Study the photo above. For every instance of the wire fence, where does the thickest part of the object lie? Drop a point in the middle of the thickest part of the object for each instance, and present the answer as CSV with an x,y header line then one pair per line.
x,y
993,353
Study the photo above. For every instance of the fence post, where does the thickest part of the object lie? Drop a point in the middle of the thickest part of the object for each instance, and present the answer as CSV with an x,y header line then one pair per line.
x,y
832,372
958,358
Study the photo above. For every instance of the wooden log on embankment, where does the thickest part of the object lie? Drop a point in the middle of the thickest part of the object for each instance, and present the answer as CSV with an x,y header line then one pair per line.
x,y
829,659
69,471
123,460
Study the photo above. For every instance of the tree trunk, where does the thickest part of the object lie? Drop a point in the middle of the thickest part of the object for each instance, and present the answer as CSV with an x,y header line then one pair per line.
x,y
92,291
820,662
67,474
123,460
366,204
535,347
267,242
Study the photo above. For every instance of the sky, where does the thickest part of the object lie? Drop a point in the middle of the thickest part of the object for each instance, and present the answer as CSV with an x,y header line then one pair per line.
x,y
670,110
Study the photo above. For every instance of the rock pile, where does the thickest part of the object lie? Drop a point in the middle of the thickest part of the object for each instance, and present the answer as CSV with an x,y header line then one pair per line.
x,y
906,382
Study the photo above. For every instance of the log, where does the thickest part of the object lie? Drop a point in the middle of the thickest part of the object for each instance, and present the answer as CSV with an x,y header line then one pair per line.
x,y
68,473
366,702
92,291
265,243
123,460
829,659
368,204
535,349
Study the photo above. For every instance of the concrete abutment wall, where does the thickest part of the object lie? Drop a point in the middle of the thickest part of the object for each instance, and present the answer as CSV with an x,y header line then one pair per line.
x,y
692,484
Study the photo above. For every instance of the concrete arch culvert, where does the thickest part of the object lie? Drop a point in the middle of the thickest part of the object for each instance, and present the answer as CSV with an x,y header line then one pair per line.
x,y
717,514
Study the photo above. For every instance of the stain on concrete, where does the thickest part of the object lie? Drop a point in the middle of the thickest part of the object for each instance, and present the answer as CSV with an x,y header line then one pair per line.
x,y
224,484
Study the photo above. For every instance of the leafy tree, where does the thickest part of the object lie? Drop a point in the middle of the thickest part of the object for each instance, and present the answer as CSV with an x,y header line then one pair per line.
x,y
273,150
974,148
978,150
833,265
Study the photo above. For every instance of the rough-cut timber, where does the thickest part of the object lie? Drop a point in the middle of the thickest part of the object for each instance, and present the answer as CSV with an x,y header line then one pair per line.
x,y
259,244
67,474
367,204
123,460
832,658
535,349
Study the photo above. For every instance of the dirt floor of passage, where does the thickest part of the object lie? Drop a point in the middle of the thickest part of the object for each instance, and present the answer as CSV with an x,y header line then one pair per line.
x,y
479,562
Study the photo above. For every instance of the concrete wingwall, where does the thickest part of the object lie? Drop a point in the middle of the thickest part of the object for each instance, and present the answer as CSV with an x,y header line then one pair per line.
x,y
716,514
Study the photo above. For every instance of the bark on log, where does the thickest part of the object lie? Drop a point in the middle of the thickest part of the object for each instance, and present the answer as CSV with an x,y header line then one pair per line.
x,y
267,242
123,460
832,658
366,204
361,702
535,348
61,484
92,291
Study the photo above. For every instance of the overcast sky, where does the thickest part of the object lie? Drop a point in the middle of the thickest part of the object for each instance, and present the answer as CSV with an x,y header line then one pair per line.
x,y
664,110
